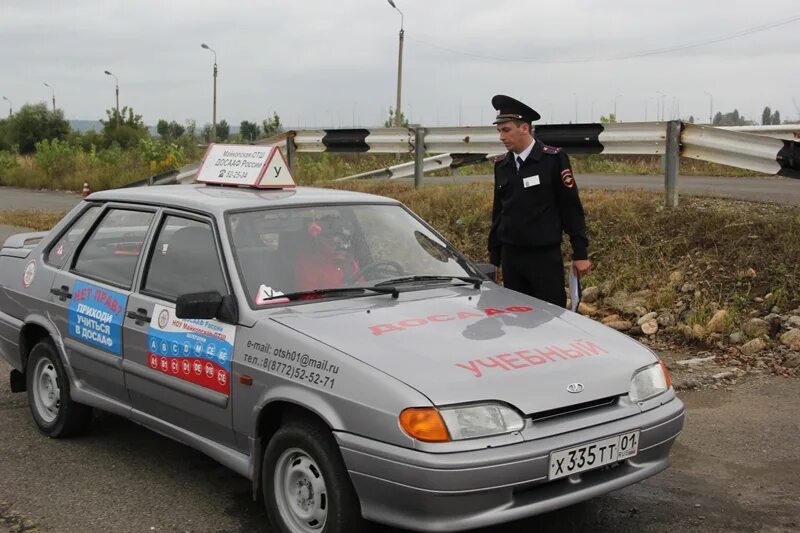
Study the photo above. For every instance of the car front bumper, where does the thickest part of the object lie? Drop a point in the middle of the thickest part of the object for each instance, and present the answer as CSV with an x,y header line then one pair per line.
x,y
455,491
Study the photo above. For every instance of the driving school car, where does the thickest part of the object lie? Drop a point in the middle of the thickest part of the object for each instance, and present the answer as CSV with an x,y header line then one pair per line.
x,y
329,346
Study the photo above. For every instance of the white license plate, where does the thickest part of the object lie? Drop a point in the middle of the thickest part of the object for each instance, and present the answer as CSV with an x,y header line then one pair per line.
x,y
593,455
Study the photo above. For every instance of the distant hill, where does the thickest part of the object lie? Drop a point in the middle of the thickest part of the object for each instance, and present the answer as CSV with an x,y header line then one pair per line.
x,y
86,125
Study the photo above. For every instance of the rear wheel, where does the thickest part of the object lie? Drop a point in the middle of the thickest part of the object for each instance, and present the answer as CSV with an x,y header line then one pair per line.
x,y
53,410
306,486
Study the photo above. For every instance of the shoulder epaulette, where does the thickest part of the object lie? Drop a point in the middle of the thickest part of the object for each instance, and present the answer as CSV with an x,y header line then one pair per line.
x,y
498,158
551,149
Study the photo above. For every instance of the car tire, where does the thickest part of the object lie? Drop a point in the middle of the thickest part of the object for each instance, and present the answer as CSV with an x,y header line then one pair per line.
x,y
55,413
305,484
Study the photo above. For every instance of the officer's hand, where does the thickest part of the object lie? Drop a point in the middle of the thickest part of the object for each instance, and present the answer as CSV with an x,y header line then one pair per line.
x,y
582,267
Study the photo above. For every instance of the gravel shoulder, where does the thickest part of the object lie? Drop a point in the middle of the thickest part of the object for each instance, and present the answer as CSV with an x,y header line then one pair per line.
x,y
735,469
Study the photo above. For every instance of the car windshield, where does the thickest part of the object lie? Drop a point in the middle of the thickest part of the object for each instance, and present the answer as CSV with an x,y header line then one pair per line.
x,y
300,249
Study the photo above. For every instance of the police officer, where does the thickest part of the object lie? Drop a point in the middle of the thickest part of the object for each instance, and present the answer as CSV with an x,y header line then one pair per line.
x,y
535,201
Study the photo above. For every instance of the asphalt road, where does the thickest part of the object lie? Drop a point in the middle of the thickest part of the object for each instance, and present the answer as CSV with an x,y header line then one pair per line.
x,y
13,198
776,190
769,190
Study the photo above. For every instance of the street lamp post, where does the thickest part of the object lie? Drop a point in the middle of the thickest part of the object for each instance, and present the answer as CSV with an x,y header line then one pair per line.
x,y
710,108
397,122
214,109
576,106
116,88
660,107
647,105
54,96
10,107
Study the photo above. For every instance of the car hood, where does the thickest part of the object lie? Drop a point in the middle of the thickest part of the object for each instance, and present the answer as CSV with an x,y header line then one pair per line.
x,y
458,344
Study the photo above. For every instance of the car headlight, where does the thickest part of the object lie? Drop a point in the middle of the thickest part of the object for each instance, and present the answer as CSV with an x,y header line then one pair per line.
x,y
430,424
649,381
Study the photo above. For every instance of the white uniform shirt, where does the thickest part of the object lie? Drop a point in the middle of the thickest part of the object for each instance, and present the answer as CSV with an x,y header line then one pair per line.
x,y
524,154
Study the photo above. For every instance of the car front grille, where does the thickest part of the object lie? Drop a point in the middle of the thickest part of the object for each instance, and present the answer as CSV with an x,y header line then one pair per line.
x,y
572,409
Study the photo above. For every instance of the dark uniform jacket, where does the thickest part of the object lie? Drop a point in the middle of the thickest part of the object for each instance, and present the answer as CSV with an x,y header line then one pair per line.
x,y
536,215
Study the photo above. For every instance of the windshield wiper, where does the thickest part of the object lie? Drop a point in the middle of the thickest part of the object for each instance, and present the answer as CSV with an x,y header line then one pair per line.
x,y
411,279
337,290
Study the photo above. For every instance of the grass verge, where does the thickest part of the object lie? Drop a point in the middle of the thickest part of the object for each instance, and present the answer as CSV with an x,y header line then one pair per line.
x,y
36,220
116,168
729,252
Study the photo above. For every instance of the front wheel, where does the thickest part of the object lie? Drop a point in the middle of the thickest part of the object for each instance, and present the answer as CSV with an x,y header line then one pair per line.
x,y
54,412
306,486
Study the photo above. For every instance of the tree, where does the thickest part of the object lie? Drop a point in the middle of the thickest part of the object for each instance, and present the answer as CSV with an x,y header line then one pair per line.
x,y
691,119
223,130
610,119
3,127
34,123
390,122
124,128
766,116
731,119
249,130
162,128
176,130
169,131
776,117
272,126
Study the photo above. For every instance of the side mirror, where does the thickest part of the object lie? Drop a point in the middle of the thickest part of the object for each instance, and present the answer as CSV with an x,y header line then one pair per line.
x,y
488,270
207,305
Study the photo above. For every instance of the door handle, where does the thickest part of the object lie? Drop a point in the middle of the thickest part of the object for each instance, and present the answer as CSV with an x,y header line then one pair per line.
x,y
140,315
62,293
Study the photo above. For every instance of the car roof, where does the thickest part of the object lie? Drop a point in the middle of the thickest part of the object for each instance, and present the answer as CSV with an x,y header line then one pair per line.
x,y
218,199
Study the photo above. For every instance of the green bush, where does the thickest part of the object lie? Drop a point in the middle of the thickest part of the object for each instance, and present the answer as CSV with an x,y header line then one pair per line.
x,y
161,155
8,161
56,157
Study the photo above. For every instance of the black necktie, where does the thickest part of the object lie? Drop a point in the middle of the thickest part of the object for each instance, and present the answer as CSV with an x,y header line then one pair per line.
x,y
519,163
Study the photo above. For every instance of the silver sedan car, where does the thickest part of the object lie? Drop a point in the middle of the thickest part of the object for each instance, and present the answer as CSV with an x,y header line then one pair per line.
x,y
332,348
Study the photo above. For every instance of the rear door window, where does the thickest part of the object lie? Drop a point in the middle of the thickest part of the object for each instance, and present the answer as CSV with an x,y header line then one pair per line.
x,y
111,252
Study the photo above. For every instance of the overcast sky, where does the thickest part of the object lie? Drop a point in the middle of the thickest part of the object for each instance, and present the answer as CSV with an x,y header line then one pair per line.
x,y
334,63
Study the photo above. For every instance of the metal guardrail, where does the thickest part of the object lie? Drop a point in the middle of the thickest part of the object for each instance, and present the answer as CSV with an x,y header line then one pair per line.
x,y
620,138
627,138
789,132
729,147
742,150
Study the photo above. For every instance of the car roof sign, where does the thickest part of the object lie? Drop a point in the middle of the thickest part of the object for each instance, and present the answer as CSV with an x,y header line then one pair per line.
x,y
241,165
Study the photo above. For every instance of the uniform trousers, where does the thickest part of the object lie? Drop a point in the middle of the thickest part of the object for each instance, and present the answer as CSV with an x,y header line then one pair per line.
x,y
537,272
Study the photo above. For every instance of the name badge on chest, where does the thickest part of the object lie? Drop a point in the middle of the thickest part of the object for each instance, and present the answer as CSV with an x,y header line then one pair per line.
x,y
530,181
